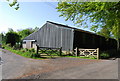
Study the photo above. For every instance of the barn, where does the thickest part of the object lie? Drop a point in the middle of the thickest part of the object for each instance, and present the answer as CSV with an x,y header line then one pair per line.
x,y
56,35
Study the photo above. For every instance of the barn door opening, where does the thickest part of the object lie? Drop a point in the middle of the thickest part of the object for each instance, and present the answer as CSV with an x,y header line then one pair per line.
x,y
29,44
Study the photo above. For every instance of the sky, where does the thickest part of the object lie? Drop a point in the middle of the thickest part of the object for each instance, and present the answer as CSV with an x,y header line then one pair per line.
x,y
29,15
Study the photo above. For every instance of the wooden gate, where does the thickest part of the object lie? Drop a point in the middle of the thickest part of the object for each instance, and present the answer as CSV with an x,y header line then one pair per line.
x,y
49,50
87,52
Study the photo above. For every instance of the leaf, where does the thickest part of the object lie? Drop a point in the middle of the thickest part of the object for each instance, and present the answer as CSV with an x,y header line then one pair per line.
x,y
10,4
17,8
18,5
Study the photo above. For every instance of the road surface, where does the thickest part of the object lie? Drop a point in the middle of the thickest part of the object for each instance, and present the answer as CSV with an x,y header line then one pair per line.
x,y
15,67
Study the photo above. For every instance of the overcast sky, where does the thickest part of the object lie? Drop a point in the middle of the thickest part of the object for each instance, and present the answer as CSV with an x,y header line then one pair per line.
x,y
30,15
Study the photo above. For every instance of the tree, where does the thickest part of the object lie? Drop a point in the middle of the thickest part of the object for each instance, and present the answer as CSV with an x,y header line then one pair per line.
x,y
36,29
105,32
12,38
103,15
24,33
2,38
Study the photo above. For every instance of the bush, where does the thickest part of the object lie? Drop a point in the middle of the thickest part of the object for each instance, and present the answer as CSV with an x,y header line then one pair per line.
x,y
23,50
31,50
8,45
35,55
17,46
3,47
108,53
104,55
26,49
28,54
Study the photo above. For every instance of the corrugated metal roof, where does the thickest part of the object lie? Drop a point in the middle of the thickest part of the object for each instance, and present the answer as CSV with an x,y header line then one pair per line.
x,y
76,29
66,26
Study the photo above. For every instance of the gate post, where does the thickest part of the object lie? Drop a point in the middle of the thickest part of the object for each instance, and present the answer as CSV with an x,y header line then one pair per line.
x,y
76,51
60,51
97,53
37,49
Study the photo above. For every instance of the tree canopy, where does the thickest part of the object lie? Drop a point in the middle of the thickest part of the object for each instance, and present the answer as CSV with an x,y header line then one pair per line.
x,y
12,38
25,32
105,16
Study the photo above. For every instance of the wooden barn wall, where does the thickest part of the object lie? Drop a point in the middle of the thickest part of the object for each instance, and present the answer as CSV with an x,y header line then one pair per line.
x,y
51,35
54,36
36,36
85,40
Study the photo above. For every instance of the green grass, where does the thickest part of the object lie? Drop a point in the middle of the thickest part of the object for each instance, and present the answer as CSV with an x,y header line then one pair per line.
x,y
26,54
30,53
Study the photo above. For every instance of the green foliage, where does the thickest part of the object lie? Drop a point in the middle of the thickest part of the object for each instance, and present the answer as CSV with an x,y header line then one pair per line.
x,y
7,46
23,52
30,53
36,29
112,52
105,32
26,49
104,55
17,46
12,38
108,54
31,50
14,4
104,16
25,32
2,38
35,55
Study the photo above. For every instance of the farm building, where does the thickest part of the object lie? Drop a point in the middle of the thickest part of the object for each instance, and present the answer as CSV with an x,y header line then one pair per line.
x,y
57,35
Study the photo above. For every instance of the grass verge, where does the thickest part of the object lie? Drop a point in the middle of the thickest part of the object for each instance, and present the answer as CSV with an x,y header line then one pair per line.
x,y
26,54
31,53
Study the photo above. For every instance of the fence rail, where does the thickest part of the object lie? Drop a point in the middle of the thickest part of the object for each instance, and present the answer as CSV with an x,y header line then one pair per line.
x,y
87,52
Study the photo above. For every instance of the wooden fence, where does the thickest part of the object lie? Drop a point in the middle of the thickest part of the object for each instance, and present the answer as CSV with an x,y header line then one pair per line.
x,y
87,52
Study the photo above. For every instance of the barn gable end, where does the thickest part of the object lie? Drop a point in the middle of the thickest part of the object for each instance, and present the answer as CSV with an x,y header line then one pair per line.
x,y
53,35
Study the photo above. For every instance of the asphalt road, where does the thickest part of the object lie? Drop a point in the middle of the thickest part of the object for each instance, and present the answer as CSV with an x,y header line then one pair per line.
x,y
15,67
119,69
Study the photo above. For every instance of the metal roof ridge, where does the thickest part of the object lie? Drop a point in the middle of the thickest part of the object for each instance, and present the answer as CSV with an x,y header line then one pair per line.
x,y
72,27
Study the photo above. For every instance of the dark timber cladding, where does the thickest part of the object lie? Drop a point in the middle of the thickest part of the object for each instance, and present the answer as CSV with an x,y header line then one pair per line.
x,y
57,35
84,39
